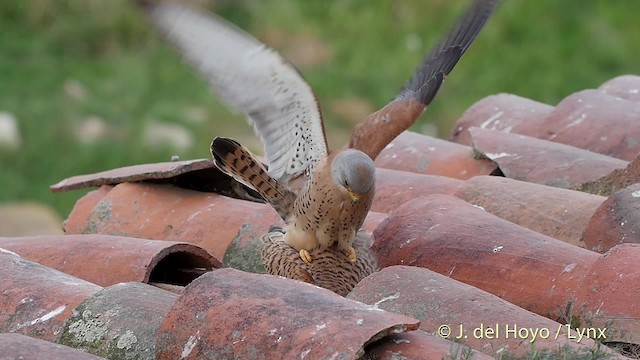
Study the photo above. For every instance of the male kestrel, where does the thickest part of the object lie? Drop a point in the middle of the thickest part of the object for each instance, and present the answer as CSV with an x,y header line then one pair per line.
x,y
255,80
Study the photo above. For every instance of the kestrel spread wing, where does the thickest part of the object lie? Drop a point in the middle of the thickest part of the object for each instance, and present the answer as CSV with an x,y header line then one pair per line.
x,y
381,127
258,82
253,80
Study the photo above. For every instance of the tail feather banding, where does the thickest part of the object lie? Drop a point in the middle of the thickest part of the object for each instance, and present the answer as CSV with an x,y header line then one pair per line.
x,y
237,161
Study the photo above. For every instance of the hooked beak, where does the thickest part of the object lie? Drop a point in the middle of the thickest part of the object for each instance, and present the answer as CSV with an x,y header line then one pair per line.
x,y
354,197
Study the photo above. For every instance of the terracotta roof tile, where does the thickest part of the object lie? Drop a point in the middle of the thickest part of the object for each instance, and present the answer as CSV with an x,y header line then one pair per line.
x,y
539,161
119,322
419,345
505,113
625,87
528,269
115,259
616,180
165,212
394,187
37,300
437,300
235,314
427,155
559,213
615,221
595,121
157,171
17,346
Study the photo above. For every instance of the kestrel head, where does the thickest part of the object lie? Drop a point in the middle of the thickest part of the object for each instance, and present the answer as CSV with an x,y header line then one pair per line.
x,y
354,171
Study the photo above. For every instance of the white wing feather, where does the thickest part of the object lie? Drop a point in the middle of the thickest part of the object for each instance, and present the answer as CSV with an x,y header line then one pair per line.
x,y
254,80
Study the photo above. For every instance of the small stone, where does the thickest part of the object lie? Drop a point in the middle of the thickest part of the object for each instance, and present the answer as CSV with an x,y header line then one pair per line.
x,y
29,219
163,134
92,129
75,90
9,132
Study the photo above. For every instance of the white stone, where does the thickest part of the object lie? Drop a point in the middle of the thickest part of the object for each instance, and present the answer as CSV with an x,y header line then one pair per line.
x,y
9,132
163,134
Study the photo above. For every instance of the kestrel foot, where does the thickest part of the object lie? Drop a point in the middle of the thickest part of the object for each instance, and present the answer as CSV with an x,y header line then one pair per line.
x,y
351,254
304,255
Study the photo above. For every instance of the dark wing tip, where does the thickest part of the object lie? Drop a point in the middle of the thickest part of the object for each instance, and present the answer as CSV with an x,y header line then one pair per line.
x,y
428,78
221,147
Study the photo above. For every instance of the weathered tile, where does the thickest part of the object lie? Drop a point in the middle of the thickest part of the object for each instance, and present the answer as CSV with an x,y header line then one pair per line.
x,y
595,121
418,345
21,347
616,221
394,187
37,300
119,322
134,173
543,162
502,112
463,313
559,213
164,212
234,314
538,273
115,259
617,180
625,86
427,155
330,268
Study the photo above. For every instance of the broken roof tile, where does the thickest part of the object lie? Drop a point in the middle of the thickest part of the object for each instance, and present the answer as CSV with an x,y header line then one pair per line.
x,y
538,273
595,121
625,86
427,155
559,213
419,345
525,158
229,313
134,173
165,212
502,112
37,300
119,322
618,179
408,289
615,221
115,259
394,187
22,347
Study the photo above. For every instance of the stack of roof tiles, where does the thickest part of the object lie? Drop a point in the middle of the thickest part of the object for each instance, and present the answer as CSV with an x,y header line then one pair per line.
x,y
483,232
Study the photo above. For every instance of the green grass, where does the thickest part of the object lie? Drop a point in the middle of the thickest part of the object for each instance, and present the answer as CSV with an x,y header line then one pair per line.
x,y
543,50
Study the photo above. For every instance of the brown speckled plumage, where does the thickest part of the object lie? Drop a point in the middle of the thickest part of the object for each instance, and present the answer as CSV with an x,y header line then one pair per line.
x,y
329,269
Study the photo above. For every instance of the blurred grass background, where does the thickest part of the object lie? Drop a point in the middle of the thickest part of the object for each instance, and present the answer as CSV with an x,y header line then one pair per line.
x,y
86,79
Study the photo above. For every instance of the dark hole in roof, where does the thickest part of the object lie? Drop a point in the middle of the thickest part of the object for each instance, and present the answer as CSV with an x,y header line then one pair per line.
x,y
626,349
206,180
179,268
497,172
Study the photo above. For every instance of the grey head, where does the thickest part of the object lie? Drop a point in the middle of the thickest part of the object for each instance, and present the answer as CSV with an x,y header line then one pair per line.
x,y
355,171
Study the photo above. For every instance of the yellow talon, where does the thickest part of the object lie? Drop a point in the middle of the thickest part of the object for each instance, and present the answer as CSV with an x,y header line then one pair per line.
x,y
304,255
351,254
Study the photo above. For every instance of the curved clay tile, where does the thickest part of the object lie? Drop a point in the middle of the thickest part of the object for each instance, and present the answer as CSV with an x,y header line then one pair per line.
x,y
469,312
626,87
505,113
538,273
119,322
37,300
428,155
17,346
235,314
539,161
115,259
559,213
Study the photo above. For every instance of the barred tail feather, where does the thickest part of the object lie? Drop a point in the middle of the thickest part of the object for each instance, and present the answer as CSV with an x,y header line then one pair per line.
x,y
237,161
